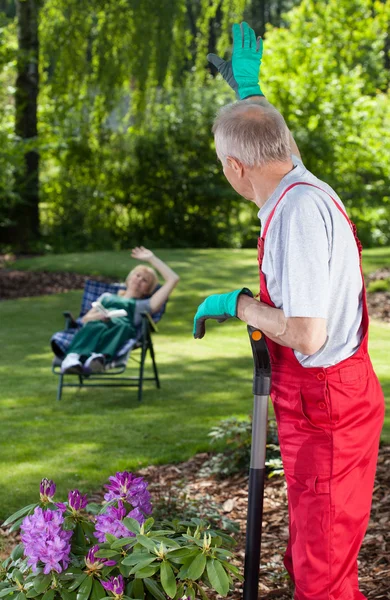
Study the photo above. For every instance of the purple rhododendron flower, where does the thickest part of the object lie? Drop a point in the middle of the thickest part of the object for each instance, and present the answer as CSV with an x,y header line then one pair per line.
x,y
94,563
45,541
76,500
47,490
133,490
112,522
116,585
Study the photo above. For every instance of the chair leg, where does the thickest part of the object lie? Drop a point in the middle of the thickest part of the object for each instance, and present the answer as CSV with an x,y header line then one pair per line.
x,y
59,389
141,373
154,365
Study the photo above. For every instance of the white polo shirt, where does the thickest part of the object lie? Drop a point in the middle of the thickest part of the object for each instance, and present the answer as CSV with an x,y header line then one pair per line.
x,y
311,264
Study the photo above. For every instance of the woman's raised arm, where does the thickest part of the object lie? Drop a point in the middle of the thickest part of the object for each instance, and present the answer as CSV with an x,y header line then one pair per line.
x,y
170,277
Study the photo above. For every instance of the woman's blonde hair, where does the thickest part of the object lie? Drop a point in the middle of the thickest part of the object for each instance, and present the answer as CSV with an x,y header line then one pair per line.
x,y
151,275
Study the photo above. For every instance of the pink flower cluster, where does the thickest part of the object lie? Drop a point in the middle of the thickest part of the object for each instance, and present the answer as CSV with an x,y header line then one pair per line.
x,y
112,522
130,489
45,540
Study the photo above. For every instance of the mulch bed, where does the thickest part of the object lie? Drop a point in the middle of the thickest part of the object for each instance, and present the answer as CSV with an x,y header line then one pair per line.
x,y
232,496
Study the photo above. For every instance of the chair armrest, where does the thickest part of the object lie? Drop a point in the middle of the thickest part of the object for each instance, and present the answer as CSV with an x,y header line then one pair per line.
x,y
146,316
70,321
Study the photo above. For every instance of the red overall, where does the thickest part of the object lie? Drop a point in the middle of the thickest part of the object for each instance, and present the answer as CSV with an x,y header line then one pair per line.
x,y
329,424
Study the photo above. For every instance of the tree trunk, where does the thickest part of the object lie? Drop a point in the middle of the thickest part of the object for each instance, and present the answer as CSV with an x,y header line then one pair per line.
x,y
25,218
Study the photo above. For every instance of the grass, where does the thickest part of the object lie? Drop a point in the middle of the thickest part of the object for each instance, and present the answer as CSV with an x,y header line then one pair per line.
x,y
90,434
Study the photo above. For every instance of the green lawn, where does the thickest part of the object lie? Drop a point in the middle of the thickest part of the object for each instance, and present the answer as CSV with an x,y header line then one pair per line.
x,y
89,435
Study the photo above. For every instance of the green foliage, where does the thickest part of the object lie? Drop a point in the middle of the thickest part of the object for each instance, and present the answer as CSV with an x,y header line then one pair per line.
x,y
11,156
157,182
126,105
327,74
172,559
236,436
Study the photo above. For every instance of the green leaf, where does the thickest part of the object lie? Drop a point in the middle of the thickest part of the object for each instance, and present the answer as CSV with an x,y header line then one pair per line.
x,y
146,572
32,593
135,557
84,589
16,524
168,580
98,591
137,590
7,591
217,576
111,538
123,542
167,542
93,508
69,523
21,596
19,513
107,553
184,568
125,570
201,591
17,552
42,582
132,525
66,595
49,595
142,564
154,589
179,592
17,575
78,537
190,592
184,557
232,568
78,580
196,568
148,524
146,542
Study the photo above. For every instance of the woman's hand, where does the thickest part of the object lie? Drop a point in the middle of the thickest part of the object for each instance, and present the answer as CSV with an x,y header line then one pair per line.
x,y
94,315
141,253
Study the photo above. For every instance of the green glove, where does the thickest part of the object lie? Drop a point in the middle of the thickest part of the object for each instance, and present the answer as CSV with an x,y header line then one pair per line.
x,y
242,73
219,307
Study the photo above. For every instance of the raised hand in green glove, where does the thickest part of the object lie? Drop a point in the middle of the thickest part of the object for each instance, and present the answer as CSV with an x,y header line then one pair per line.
x,y
219,307
242,73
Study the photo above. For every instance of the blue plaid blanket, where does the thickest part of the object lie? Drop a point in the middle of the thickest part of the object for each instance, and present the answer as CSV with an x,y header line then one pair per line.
x,y
61,340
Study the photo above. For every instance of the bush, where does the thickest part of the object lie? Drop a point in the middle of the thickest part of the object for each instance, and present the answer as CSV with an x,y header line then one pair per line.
x,y
235,458
79,550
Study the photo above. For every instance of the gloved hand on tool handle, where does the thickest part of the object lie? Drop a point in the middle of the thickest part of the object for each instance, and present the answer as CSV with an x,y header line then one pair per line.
x,y
219,307
242,72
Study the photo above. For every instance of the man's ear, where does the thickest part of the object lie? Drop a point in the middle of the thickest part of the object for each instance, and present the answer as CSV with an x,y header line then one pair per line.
x,y
236,165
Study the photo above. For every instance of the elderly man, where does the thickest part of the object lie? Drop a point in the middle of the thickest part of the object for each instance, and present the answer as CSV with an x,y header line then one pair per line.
x,y
312,309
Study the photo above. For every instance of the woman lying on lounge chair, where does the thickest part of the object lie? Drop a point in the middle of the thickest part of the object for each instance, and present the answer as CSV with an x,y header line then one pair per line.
x,y
101,337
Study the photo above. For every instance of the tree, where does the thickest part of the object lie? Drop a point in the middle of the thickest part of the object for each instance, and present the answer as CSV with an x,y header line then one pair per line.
x,y
326,72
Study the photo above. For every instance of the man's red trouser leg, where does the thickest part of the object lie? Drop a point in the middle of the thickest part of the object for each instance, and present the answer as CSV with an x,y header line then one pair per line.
x,y
329,432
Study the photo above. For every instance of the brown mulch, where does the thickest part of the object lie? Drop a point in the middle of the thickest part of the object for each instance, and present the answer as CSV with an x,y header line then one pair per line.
x,y
24,284
379,302
231,496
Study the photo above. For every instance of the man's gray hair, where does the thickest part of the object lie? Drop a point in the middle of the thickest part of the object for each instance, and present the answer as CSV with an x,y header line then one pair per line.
x,y
253,134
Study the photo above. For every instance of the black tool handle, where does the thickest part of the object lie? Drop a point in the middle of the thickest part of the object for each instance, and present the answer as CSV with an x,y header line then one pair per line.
x,y
261,390
261,363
